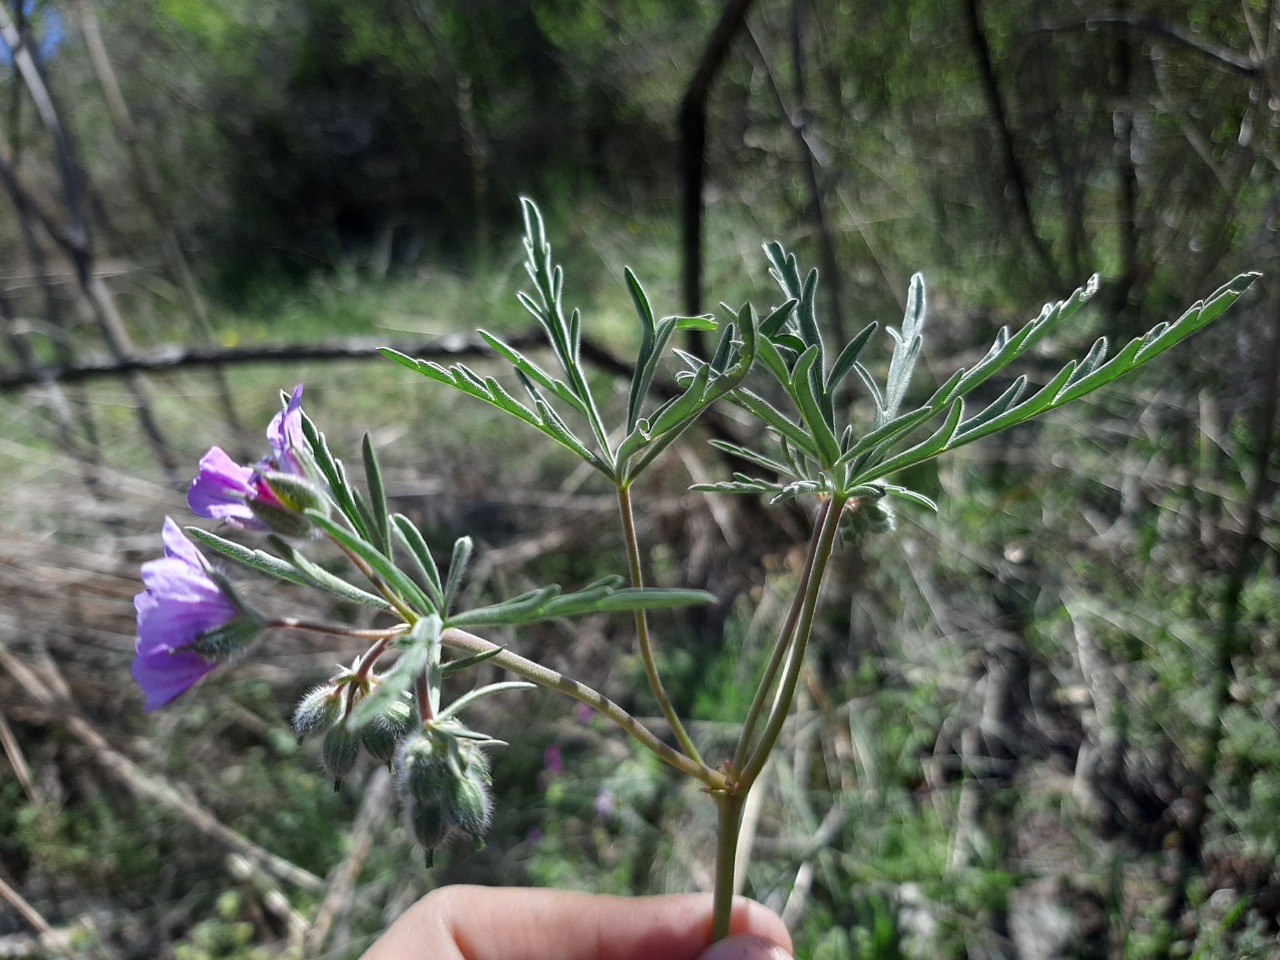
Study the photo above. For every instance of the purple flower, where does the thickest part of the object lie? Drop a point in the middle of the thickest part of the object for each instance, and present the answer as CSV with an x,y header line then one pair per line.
x,y
606,804
553,760
188,621
222,491
225,490
285,435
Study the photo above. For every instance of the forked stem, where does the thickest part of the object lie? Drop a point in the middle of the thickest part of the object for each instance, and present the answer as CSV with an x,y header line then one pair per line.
x,y
827,533
749,761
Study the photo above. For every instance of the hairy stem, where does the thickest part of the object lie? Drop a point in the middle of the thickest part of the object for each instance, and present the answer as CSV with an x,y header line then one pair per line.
x,y
457,639
642,630
371,657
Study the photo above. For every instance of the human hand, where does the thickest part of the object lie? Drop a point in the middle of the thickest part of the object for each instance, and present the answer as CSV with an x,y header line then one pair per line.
x,y
497,923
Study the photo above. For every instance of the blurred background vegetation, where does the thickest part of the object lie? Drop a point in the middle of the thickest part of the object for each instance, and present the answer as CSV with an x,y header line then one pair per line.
x,y
1043,723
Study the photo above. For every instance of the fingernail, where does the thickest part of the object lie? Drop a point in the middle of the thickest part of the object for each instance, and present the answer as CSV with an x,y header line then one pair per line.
x,y
745,948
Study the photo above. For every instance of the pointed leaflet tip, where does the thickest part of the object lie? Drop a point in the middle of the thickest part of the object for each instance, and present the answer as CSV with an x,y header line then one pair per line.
x,y
914,316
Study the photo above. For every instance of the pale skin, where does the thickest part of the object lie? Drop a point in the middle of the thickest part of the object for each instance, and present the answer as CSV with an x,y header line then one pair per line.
x,y
495,923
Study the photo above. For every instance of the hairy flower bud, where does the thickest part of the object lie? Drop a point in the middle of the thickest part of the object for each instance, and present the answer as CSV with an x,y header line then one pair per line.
x,y
862,517
340,752
382,736
444,786
318,710
470,807
421,766
423,776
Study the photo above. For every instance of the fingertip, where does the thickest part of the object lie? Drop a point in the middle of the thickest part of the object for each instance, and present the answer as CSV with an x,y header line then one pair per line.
x,y
753,919
745,947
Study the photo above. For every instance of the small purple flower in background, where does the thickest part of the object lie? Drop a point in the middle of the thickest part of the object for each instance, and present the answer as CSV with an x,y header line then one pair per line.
x,y
605,805
188,621
225,490
552,770
553,760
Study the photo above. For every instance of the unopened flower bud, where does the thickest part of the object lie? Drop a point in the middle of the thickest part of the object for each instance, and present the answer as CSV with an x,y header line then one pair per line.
x,y
382,736
444,786
340,752
470,807
868,516
424,780
294,492
318,710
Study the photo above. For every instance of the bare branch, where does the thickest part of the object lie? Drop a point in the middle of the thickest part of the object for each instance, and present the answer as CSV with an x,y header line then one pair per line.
x,y
193,358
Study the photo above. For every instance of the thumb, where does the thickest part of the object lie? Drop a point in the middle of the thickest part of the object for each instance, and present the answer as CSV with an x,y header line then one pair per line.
x,y
744,947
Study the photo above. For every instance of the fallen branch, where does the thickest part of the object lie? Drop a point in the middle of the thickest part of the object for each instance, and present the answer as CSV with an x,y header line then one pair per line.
x,y
58,941
192,358
144,785
338,899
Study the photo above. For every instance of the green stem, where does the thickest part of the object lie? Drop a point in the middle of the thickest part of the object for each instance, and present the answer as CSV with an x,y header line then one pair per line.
x,y
407,613
642,630
781,647
544,677
795,660
337,630
729,807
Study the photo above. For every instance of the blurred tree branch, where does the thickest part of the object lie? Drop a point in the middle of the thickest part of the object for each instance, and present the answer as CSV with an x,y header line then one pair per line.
x,y
149,190
1243,64
189,358
73,237
799,120
1016,176
693,147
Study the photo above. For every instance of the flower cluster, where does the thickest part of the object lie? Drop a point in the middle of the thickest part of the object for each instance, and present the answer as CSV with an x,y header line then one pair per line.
x,y
190,620
189,617
443,778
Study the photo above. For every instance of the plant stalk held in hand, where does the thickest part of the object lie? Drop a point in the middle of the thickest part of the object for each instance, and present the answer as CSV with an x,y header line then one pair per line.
x,y
398,701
